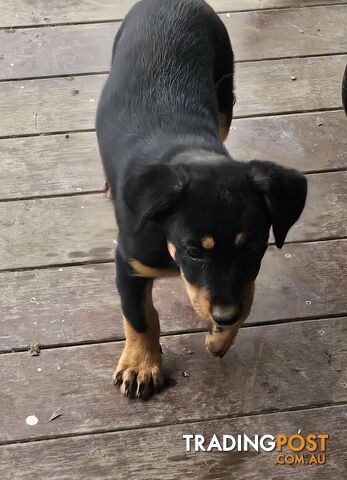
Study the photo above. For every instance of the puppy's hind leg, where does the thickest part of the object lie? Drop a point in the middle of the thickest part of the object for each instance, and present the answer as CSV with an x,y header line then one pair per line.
x,y
224,78
225,105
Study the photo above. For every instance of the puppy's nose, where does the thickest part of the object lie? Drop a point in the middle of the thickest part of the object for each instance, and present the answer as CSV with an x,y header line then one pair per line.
x,y
225,315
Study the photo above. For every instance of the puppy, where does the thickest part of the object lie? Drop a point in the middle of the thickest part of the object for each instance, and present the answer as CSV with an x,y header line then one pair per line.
x,y
183,205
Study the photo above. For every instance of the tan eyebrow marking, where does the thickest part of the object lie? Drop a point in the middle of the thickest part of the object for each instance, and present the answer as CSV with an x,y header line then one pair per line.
x,y
240,239
207,242
172,249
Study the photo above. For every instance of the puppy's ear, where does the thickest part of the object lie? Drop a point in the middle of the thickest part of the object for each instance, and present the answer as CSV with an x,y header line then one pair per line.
x,y
152,190
284,191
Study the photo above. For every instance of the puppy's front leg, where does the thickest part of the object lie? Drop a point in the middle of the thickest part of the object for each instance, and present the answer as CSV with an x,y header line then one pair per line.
x,y
220,339
139,371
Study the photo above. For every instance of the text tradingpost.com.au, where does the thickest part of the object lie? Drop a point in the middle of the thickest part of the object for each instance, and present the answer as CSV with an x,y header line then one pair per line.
x,y
291,449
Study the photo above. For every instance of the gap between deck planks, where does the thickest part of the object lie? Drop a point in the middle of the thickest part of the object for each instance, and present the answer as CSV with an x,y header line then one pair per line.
x,y
38,12
51,164
265,88
124,454
301,364
66,230
78,305
256,35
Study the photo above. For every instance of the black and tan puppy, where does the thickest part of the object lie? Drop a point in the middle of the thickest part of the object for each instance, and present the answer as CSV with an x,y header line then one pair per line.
x,y
183,205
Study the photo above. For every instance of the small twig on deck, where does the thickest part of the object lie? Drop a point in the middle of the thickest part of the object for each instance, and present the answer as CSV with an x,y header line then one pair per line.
x,y
35,119
298,28
55,415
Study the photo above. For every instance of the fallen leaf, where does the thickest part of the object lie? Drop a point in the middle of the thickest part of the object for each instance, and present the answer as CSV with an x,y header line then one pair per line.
x,y
34,349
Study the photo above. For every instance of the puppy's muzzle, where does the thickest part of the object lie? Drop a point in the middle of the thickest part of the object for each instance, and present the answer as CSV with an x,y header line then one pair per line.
x,y
225,315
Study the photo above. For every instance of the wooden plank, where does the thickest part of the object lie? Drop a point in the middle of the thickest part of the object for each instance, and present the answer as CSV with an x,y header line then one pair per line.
x,y
52,105
308,142
57,230
80,304
75,48
38,12
325,209
287,33
51,165
65,230
254,35
237,5
266,87
159,453
269,368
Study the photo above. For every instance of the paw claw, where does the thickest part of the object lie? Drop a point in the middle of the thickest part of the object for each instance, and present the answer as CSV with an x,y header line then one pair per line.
x,y
140,384
141,390
126,387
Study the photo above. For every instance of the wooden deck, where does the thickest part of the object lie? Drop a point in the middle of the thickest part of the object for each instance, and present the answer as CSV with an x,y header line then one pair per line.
x,y
288,369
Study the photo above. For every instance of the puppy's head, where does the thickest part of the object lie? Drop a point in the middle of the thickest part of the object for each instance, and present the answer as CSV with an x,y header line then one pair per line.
x,y
217,216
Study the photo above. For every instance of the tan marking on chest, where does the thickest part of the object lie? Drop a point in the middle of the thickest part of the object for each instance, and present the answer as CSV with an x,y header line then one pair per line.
x,y
141,270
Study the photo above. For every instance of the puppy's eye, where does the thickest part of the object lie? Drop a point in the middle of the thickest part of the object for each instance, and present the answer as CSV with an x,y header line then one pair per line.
x,y
194,253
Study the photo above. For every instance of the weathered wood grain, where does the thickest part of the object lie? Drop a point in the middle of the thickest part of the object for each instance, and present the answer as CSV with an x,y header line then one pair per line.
x,y
52,105
38,12
53,164
254,35
57,230
50,165
301,364
159,453
267,87
308,142
52,231
80,304
325,214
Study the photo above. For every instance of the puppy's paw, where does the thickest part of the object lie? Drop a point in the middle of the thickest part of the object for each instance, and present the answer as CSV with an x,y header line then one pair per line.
x,y
220,339
139,376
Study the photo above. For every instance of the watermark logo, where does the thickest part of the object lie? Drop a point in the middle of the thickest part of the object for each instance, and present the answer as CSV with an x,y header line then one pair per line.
x,y
291,449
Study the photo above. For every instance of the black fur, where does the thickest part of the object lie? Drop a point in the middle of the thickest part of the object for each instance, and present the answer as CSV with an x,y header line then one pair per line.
x,y
170,175
344,91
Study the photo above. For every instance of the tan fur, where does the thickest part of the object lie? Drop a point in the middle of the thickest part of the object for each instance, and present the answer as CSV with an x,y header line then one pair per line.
x,y
141,355
199,298
172,249
223,126
108,191
141,270
240,239
220,339
207,242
